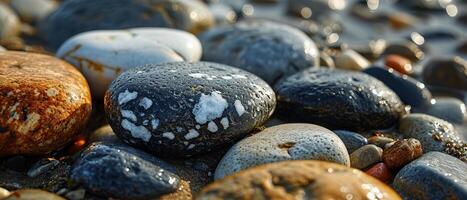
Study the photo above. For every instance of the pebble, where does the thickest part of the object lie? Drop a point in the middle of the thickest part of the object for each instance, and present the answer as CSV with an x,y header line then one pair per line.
x,y
283,142
267,49
433,176
398,63
305,179
312,96
120,171
181,109
410,91
366,156
42,166
352,140
351,60
2,48
32,194
402,152
449,109
9,23
103,134
434,134
4,193
380,141
380,171
446,72
78,194
45,102
33,10
405,49
103,55
77,16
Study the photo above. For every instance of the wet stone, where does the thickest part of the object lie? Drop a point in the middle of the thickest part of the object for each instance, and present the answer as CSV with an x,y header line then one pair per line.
x,y
44,102
451,72
433,176
120,171
351,60
283,142
447,108
352,140
30,194
380,141
409,90
366,156
267,49
434,134
398,63
77,16
402,152
312,96
103,55
295,180
380,171
33,10
9,22
181,109
405,49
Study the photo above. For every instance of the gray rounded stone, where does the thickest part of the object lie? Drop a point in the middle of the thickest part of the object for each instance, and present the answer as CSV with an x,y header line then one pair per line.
x,y
449,109
435,175
366,156
352,140
433,133
284,142
268,49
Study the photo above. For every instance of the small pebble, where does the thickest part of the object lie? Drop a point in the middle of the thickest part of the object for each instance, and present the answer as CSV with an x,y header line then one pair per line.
x,y
398,63
32,194
366,156
380,171
42,166
447,108
351,60
352,140
405,49
4,193
402,152
446,72
76,194
379,141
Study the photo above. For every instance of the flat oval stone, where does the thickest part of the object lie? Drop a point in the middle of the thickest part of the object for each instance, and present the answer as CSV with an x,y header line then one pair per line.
x,y
351,60
409,90
352,140
77,16
30,194
366,156
363,102
267,49
434,134
433,176
182,108
449,109
9,22
283,142
307,179
44,102
120,171
103,55
33,10
450,72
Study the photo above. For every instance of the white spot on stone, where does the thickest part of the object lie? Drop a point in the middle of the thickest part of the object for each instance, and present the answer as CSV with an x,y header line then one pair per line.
x,y
129,115
171,180
192,133
225,122
197,126
168,135
126,96
226,77
145,103
139,132
145,122
209,107
198,75
51,92
173,70
212,127
238,76
179,129
154,123
239,107
31,123
191,146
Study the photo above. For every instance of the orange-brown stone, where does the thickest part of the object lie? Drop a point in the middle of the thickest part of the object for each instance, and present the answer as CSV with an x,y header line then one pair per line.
x,y
44,102
308,179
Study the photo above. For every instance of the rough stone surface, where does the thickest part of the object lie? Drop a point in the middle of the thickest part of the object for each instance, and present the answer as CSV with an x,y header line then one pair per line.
x,y
313,95
298,180
380,171
44,102
402,152
283,142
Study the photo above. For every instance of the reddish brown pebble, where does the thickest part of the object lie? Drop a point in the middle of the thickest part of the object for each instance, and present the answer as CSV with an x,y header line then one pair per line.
x,y
380,171
398,63
402,152
44,102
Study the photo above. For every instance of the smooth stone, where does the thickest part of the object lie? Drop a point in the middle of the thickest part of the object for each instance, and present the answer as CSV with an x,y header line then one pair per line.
x,y
267,49
42,166
47,100
449,109
351,60
380,141
78,194
380,171
398,63
103,134
33,10
4,193
405,49
103,55
2,48
77,16
308,179
312,96
446,72
366,156
409,90
283,142
402,152
32,194
181,109
120,171
434,134
433,176
352,140
9,23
